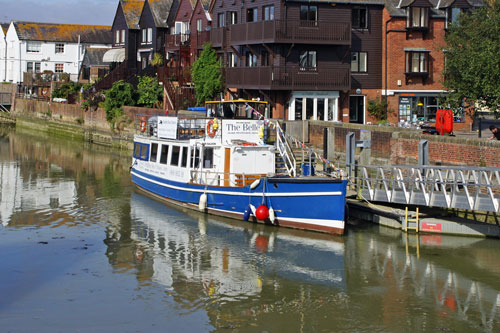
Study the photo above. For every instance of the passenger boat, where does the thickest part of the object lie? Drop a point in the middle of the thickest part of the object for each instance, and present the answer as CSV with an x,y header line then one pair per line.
x,y
221,163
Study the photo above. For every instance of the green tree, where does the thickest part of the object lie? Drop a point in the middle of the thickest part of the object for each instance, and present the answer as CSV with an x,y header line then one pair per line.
x,y
120,94
472,59
207,75
149,91
66,89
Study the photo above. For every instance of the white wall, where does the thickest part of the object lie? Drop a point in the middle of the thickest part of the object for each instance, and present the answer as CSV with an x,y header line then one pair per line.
x,y
2,55
71,58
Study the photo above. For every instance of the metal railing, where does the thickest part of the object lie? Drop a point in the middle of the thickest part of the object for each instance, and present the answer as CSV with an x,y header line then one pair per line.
x,y
210,177
285,151
473,188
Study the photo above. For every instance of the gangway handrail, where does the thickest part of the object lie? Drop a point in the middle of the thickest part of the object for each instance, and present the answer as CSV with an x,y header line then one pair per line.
x,y
285,151
460,187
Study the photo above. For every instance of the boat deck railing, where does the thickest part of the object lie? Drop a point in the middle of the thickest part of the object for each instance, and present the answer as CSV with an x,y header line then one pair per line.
x,y
187,128
214,178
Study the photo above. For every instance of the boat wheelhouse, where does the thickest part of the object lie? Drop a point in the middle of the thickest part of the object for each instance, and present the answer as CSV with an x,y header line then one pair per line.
x,y
222,163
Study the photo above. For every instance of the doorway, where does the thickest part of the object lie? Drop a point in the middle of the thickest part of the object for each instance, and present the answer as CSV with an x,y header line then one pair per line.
x,y
357,109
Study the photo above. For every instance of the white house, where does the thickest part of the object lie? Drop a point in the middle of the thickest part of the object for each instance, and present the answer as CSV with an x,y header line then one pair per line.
x,y
49,48
3,50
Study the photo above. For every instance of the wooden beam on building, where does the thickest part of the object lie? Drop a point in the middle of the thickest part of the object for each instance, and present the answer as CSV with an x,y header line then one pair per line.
x,y
271,101
235,51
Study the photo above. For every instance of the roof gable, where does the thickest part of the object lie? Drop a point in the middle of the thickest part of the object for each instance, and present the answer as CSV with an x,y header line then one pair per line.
x,y
132,10
160,9
58,32
5,27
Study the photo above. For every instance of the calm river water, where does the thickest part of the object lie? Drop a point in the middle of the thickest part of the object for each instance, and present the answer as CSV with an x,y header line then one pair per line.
x,y
82,250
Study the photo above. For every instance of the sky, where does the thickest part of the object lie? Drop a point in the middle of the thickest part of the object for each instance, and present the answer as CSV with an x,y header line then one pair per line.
x,y
99,12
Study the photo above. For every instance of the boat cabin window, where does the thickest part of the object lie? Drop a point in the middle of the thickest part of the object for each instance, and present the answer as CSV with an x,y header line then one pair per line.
x,y
184,157
236,110
208,158
141,151
175,155
195,158
164,154
154,152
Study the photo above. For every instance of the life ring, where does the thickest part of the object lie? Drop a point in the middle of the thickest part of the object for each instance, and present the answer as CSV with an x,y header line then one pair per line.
x,y
143,125
211,129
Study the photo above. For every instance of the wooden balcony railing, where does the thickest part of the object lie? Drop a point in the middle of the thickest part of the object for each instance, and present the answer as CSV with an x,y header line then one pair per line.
x,y
122,72
332,77
279,31
173,42
218,37
176,73
199,39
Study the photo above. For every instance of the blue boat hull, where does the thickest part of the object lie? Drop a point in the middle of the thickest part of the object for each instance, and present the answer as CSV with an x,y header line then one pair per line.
x,y
302,203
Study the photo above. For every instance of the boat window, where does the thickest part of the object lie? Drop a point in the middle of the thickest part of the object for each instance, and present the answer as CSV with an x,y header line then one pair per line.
x,y
144,152
154,152
175,155
184,157
208,158
137,150
195,158
164,154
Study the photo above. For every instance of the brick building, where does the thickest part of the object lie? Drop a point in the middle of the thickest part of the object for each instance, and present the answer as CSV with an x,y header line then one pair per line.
x,y
414,56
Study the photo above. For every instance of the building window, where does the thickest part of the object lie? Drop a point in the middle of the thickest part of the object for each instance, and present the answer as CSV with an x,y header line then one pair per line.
x,y
358,62
251,60
233,60
59,48
147,36
123,37
33,47
308,60
32,67
199,25
417,17
359,18
233,17
308,13
419,108
117,37
221,20
252,15
452,15
417,62
268,13
59,68
264,58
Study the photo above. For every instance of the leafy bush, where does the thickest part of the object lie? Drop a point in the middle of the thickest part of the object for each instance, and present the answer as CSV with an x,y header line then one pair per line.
x,y
66,89
157,59
377,109
149,91
207,75
122,93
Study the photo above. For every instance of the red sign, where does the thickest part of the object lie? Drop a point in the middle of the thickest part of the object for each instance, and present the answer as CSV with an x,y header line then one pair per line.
x,y
433,227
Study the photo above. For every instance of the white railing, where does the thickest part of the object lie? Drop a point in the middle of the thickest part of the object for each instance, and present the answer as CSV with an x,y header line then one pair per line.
x,y
471,188
214,178
285,151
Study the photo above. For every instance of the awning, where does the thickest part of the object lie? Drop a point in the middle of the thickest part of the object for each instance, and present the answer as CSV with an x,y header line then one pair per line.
x,y
114,55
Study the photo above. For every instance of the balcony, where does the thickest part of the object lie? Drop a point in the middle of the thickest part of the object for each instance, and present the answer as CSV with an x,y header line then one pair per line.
x,y
278,31
199,39
331,77
218,37
174,42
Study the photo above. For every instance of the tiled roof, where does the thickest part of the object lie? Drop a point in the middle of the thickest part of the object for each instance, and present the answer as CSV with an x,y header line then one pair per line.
x,y
160,10
355,2
93,57
132,10
205,4
58,32
398,7
5,27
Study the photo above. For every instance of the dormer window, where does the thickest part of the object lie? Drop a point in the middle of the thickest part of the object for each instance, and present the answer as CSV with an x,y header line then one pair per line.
x,y
418,18
452,15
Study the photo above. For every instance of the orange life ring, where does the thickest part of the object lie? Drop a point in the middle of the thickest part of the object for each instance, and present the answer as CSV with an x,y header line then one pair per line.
x,y
143,125
210,128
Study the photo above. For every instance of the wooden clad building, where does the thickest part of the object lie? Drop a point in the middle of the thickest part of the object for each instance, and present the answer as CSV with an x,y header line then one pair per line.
x,y
310,60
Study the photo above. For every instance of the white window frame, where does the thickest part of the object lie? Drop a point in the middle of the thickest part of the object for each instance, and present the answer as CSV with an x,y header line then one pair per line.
x,y
357,62
122,39
33,47
59,70
117,36
199,25
59,48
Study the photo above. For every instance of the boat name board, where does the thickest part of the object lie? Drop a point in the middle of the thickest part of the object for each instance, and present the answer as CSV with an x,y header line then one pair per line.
x,y
247,130
167,127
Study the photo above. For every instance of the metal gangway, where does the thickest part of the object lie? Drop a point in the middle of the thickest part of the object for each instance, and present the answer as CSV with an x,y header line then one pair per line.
x,y
5,101
472,188
454,187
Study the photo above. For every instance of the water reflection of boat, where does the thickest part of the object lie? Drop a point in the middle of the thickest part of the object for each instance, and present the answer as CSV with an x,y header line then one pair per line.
x,y
231,259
